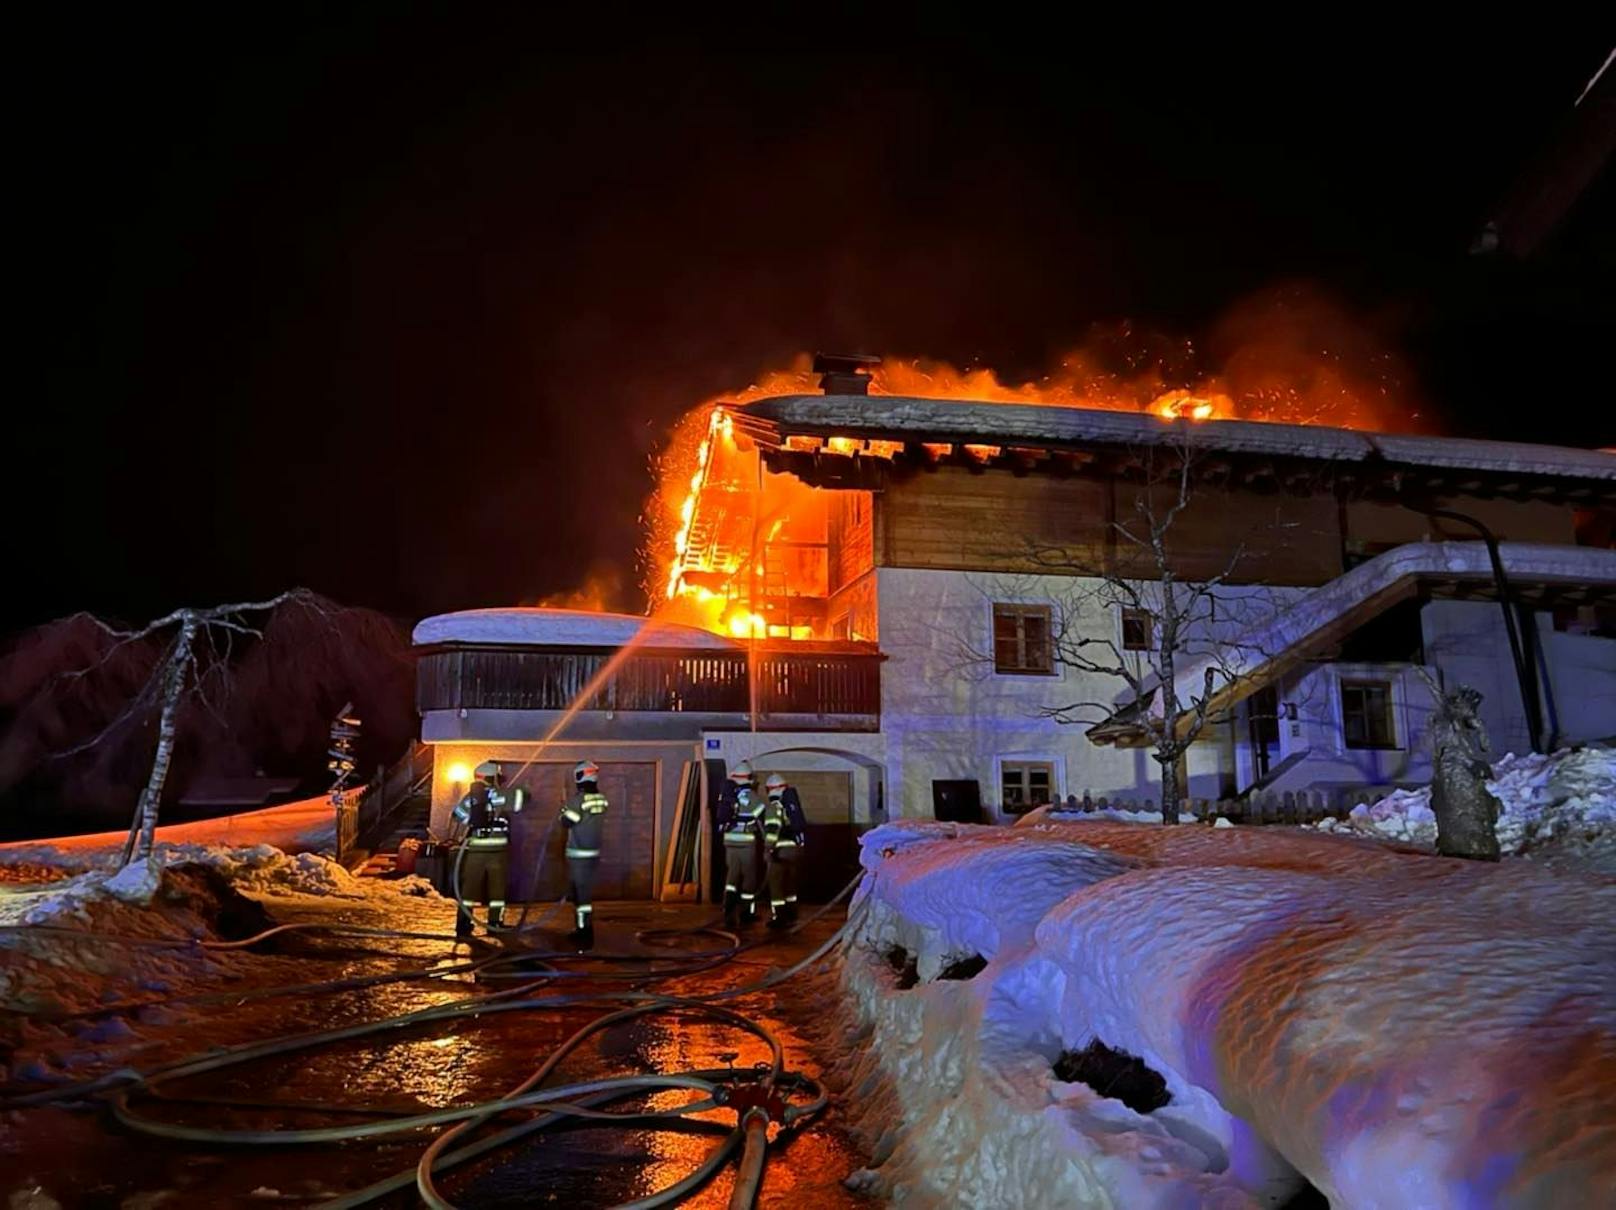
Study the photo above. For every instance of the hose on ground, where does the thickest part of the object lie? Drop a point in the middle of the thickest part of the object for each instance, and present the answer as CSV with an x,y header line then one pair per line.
x,y
556,1104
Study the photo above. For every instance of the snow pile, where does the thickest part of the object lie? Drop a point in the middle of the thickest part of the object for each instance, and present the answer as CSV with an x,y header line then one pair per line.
x,y
984,891
1404,815
1400,1031
1548,802
100,937
259,869
265,870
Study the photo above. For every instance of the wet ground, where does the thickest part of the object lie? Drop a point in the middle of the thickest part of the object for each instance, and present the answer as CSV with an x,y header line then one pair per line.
x,y
83,1158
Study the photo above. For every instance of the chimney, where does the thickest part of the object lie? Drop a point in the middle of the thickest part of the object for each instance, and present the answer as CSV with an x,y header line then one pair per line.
x,y
844,373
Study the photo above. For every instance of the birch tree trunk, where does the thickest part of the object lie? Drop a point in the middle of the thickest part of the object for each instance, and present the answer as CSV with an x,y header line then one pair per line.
x,y
151,797
1172,792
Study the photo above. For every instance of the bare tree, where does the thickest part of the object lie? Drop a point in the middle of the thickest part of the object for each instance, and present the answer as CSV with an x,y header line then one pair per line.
x,y
195,661
1171,626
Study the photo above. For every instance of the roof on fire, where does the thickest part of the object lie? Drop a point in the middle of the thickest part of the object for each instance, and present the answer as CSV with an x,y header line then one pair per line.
x,y
914,421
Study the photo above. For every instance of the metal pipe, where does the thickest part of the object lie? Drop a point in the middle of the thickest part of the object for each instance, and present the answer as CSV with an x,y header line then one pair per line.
x,y
749,1175
1521,638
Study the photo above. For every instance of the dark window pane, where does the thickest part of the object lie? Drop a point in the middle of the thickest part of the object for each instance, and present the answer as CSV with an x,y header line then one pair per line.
x,y
1136,630
1366,714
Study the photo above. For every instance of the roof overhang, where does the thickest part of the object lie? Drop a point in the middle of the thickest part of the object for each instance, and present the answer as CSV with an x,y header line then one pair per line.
x,y
857,441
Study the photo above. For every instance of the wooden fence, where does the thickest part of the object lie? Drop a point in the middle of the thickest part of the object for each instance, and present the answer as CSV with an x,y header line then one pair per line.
x,y
1290,807
364,816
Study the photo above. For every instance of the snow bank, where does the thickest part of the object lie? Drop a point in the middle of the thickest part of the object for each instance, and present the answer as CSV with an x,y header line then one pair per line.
x,y
128,935
984,891
308,825
1549,803
1400,1030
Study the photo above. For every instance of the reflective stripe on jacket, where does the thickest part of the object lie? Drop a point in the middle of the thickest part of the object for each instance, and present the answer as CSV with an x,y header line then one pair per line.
x,y
584,817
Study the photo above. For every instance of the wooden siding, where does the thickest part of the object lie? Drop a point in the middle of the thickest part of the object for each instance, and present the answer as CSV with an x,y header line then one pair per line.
x,y
852,611
952,518
852,537
995,522
1373,526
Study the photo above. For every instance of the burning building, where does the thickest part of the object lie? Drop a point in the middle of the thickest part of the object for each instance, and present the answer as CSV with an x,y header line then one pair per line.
x,y
895,600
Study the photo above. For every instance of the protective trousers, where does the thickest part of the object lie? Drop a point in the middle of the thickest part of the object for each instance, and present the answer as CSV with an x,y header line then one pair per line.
x,y
482,880
741,873
581,872
782,877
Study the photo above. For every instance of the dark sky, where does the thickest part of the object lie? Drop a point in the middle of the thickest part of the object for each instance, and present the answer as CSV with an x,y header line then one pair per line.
x,y
396,302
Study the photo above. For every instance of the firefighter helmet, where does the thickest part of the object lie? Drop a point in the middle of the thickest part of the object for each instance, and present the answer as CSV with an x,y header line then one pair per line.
x,y
741,773
585,770
776,785
488,771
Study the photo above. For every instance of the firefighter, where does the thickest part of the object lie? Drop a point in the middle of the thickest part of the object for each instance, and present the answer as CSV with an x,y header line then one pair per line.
x,y
740,778
584,817
784,833
485,812
740,828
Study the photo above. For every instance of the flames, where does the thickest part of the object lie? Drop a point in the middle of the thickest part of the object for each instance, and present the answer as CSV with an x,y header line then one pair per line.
x,y
1277,387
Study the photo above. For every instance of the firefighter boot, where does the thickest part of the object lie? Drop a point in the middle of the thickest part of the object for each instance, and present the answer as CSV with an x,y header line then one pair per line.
x,y
777,918
732,909
463,922
496,918
748,911
583,937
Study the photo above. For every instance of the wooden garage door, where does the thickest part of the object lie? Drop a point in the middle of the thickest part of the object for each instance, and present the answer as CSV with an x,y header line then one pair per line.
x,y
627,851
831,857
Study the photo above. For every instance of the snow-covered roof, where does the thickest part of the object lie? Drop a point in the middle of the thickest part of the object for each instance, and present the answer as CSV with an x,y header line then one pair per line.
x,y
537,626
1016,424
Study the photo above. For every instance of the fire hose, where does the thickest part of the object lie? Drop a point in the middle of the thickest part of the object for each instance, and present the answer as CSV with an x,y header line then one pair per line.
x,y
749,1134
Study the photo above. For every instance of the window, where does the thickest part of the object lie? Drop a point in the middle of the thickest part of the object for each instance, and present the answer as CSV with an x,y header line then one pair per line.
x,y
1136,630
1024,785
1366,714
1021,640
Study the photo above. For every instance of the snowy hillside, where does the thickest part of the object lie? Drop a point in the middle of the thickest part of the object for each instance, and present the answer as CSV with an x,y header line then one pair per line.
x,y
1396,1029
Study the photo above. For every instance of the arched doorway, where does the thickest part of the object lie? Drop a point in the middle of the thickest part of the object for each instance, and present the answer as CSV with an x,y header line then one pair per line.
x,y
841,796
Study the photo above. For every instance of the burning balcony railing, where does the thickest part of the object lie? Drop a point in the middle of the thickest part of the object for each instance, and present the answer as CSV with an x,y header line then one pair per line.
x,y
789,684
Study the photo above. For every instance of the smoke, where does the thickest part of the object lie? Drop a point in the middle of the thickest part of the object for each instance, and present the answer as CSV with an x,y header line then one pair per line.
x,y
605,589
1296,354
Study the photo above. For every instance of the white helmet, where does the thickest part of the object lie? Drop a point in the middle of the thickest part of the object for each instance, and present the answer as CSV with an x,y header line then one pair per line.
x,y
585,770
741,773
775,785
489,771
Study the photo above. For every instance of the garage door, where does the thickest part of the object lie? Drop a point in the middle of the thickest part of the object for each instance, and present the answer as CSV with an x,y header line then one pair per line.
x,y
627,851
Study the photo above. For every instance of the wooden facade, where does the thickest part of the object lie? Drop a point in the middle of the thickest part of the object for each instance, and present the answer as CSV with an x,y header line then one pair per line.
x,y
806,683
957,520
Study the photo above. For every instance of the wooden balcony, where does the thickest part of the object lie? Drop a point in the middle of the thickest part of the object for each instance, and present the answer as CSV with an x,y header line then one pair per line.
x,y
795,689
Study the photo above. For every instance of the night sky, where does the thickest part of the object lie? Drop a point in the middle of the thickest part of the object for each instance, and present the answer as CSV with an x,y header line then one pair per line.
x,y
396,303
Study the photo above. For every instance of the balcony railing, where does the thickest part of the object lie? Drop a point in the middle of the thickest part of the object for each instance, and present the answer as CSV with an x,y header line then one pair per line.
x,y
788,683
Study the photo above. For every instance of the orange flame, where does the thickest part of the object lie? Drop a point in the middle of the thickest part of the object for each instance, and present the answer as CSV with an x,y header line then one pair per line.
x,y
1263,385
